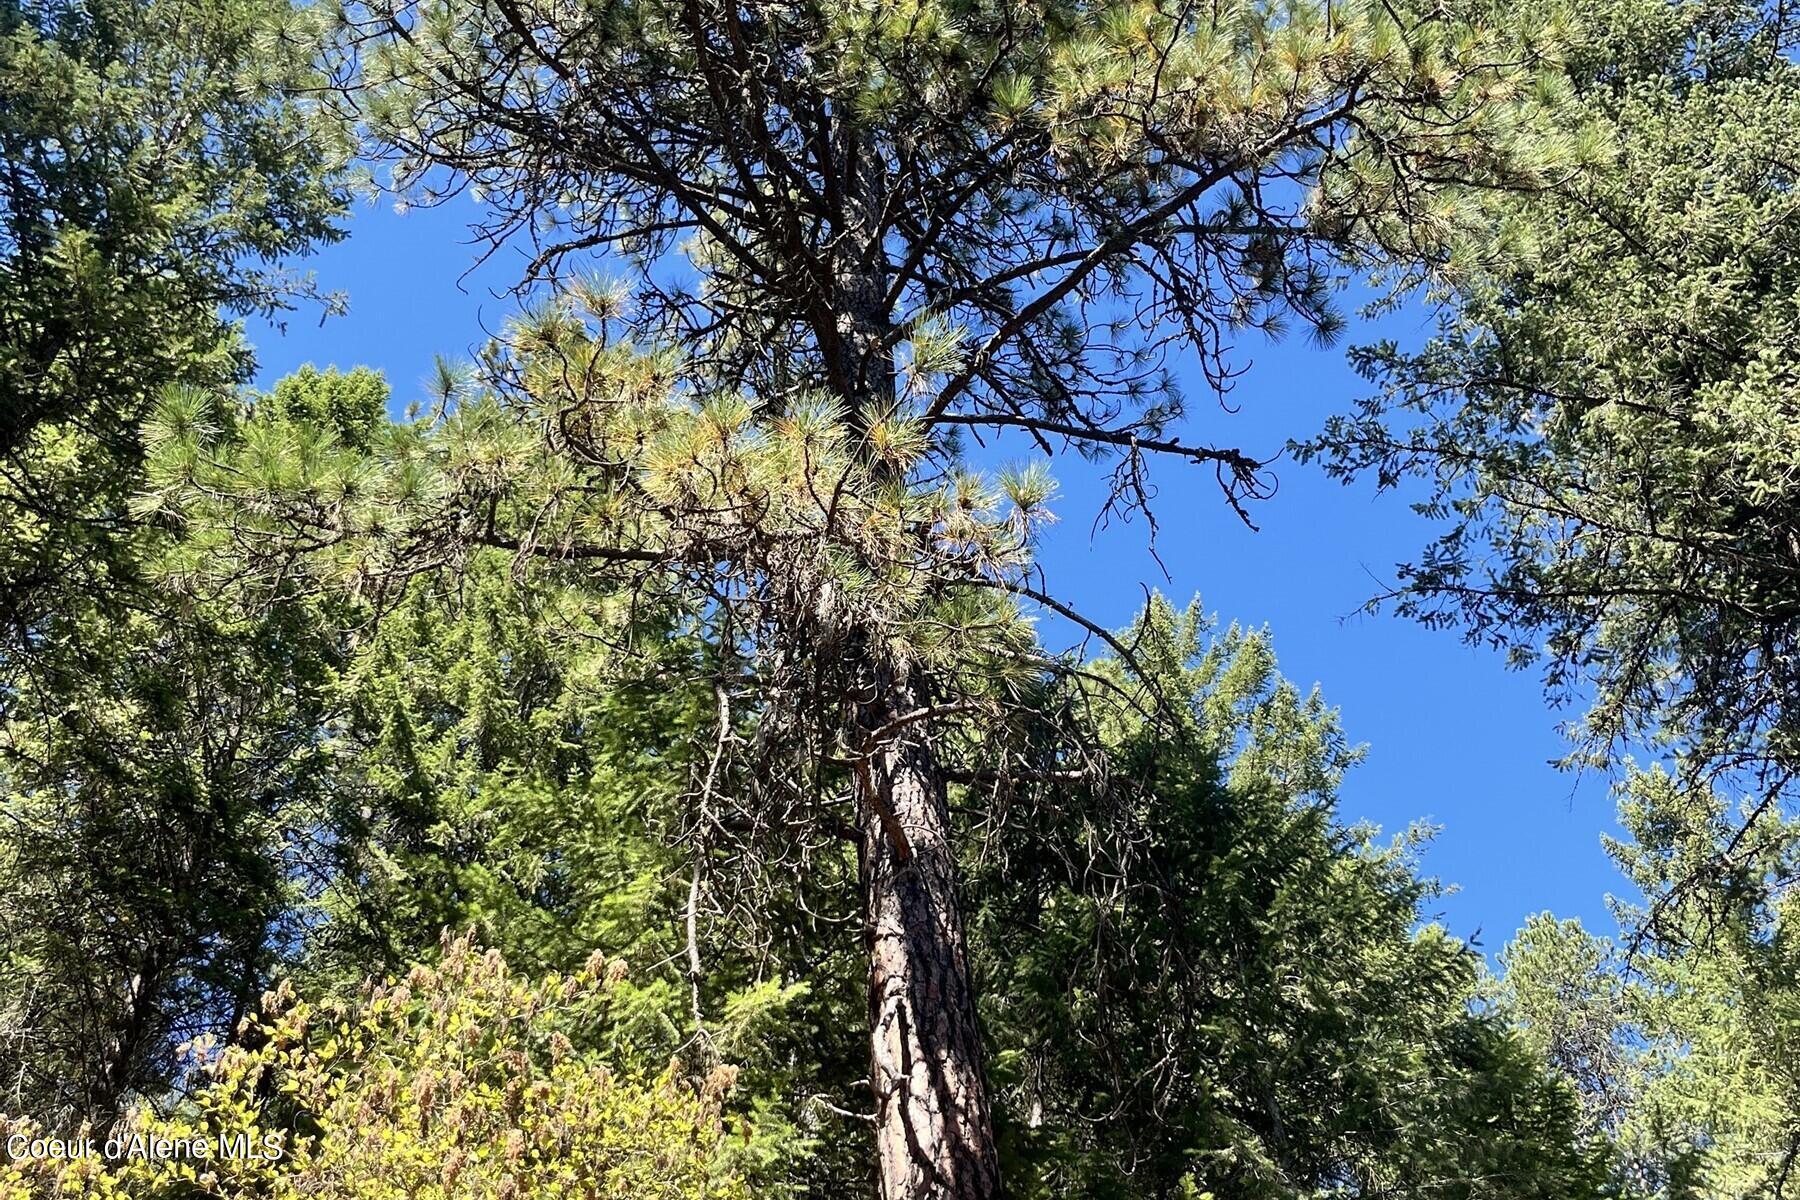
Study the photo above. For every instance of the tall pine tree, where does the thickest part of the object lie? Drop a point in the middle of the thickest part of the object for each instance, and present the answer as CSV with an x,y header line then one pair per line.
x,y
848,235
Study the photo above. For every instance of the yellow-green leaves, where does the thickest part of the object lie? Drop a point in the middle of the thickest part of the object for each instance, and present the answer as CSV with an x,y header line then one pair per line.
x,y
458,1082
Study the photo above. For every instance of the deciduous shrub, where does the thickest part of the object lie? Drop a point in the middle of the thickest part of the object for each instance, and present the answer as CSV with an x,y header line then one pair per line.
x,y
460,1082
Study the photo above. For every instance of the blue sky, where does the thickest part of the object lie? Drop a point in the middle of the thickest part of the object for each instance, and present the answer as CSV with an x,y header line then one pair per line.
x,y
1454,737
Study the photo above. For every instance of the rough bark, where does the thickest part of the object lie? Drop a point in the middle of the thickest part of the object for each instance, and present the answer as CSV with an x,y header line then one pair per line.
x,y
934,1132
933,1128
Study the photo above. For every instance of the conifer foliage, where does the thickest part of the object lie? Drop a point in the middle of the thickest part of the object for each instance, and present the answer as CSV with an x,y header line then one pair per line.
x,y
897,223
1607,421
686,621
162,173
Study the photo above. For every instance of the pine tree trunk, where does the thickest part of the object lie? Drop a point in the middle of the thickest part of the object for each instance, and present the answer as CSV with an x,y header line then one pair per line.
x,y
933,1129
934,1133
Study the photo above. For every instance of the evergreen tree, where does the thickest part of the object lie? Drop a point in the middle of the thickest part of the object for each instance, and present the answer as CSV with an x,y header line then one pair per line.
x,y
162,781
170,798
1197,981
853,231
530,752
512,778
1606,424
1683,1037
159,172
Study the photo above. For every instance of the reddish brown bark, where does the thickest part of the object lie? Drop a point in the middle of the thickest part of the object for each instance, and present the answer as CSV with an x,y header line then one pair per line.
x,y
933,1128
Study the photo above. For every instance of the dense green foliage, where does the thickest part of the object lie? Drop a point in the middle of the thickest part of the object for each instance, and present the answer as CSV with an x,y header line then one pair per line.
x,y
1607,423
159,782
844,234
684,624
155,755
459,1080
1199,979
169,794
526,753
159,172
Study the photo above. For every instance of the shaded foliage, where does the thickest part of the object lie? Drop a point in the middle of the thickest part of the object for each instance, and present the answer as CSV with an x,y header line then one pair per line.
x,y
1200,979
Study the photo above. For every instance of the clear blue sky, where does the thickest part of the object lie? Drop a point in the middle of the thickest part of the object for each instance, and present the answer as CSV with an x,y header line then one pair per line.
x,y
1453,737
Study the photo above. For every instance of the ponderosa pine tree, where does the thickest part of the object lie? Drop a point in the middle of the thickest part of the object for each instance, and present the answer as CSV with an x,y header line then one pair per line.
x,y
849,233
1101,811
1192,977
904,222
1190,973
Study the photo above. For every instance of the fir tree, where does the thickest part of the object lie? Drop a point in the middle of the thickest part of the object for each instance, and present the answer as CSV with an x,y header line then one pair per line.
x,y
1606,427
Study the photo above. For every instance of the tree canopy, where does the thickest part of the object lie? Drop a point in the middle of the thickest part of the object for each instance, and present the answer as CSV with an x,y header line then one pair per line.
x,y
162,169
696,622
1606,422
